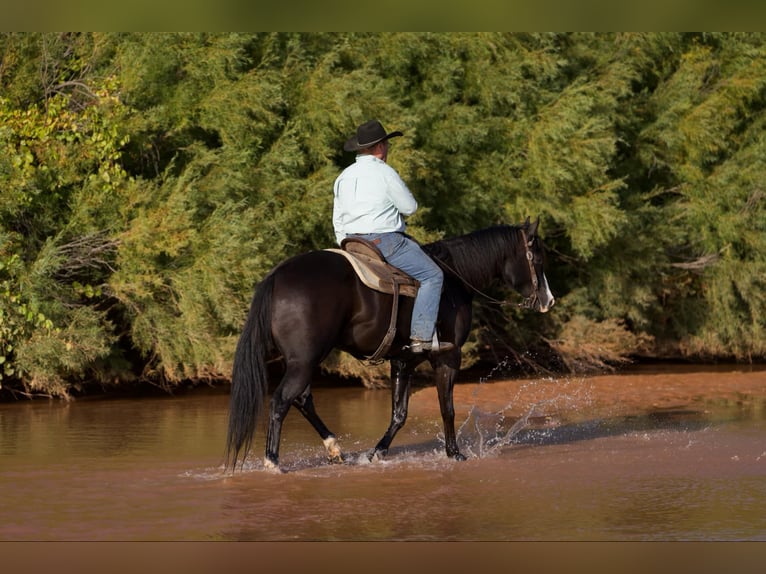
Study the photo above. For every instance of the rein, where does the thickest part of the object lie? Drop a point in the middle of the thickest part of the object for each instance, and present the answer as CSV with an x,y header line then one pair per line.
x,y
527,303
470,286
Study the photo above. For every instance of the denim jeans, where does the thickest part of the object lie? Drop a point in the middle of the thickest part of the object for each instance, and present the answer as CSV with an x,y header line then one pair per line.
x,y
405,254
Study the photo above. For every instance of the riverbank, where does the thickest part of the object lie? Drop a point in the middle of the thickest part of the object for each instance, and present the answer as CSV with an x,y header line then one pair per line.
x,y
483,372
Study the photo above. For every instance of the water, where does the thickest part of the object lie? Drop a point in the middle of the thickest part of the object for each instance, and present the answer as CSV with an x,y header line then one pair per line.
x,y
663,454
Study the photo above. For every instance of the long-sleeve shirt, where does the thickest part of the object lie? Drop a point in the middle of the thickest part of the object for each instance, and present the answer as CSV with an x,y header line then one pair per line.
x,y
370,197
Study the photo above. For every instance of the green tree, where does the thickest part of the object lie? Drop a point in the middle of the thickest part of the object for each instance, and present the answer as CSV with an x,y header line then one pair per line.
x,y
148,181
59,173
706,143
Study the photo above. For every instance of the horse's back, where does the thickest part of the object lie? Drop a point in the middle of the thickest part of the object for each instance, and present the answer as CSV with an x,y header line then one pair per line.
x,y
314,271
320,303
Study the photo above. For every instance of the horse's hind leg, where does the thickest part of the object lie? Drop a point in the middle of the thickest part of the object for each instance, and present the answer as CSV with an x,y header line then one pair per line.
x,y
294,384
305,404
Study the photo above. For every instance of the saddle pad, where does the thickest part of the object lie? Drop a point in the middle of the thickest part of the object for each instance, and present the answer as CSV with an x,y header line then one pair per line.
x,y
379,275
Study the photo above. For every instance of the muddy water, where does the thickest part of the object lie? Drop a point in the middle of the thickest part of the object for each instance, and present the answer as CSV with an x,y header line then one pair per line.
x,y
668,454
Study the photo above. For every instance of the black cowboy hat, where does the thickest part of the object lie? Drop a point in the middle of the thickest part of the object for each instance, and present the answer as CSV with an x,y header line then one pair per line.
x,y
367,135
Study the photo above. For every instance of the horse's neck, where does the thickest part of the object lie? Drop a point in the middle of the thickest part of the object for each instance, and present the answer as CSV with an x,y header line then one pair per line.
x,y
479,258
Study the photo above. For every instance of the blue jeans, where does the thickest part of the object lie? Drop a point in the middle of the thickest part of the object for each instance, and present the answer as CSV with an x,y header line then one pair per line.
x,y
405,254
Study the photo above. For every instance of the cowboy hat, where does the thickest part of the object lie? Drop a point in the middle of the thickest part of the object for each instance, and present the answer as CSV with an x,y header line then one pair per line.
x,y
367,135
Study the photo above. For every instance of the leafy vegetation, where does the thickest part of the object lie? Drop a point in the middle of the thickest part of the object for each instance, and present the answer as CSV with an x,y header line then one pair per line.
x,y
148,181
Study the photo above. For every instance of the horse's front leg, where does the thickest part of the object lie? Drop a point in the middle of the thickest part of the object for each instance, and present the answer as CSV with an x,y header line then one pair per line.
x,y
401,378
445,382
305,404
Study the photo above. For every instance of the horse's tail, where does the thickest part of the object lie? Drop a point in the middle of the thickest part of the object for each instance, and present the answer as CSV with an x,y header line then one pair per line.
x,y
249,381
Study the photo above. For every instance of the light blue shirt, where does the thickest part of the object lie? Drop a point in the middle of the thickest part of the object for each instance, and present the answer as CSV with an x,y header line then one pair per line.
x,y
370,197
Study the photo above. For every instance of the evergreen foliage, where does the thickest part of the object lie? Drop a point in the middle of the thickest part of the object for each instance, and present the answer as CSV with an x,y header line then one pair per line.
x,y
148,181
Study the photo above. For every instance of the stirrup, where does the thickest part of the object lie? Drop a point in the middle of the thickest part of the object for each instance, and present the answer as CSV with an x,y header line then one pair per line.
x,y
418,346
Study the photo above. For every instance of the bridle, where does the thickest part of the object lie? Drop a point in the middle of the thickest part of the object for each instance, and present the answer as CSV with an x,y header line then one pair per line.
x,y
528,302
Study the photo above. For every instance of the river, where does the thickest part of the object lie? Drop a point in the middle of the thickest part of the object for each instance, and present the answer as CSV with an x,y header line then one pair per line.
x,y
651,453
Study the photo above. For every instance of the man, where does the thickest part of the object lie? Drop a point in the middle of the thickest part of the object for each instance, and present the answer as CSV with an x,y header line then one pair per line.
x,y
370,200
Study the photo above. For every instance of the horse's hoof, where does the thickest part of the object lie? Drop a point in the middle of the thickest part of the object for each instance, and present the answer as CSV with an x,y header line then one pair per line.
x,y
375,455
459,457
339,459
334,454
272,466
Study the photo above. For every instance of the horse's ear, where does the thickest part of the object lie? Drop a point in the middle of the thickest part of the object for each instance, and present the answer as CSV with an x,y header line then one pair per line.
x,y
533,227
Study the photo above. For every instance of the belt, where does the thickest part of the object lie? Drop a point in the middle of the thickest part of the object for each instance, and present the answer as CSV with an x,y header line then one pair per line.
x,y
376,241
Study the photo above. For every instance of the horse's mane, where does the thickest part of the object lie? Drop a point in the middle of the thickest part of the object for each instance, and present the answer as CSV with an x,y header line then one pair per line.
x,y
478,256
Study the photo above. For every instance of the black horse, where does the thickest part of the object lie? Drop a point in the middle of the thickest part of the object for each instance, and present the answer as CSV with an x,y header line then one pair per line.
x,y
314,302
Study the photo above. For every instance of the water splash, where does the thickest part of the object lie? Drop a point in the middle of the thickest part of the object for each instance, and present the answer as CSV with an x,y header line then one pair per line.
x,y
486,433
504,365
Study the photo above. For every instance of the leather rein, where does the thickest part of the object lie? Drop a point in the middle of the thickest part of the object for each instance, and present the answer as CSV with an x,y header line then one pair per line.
x,y
528,302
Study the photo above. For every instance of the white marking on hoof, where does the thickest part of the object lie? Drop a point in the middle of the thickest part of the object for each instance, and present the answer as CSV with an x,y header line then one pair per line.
x,y
269,465
333,449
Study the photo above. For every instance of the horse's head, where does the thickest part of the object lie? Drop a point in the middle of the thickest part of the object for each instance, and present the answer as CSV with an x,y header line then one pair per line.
x,y
525,271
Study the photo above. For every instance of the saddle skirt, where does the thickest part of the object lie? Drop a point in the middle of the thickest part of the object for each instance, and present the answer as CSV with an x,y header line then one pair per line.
x,y
373,270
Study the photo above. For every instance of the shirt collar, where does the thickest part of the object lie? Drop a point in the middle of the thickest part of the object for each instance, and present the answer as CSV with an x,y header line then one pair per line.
x,y
365,157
